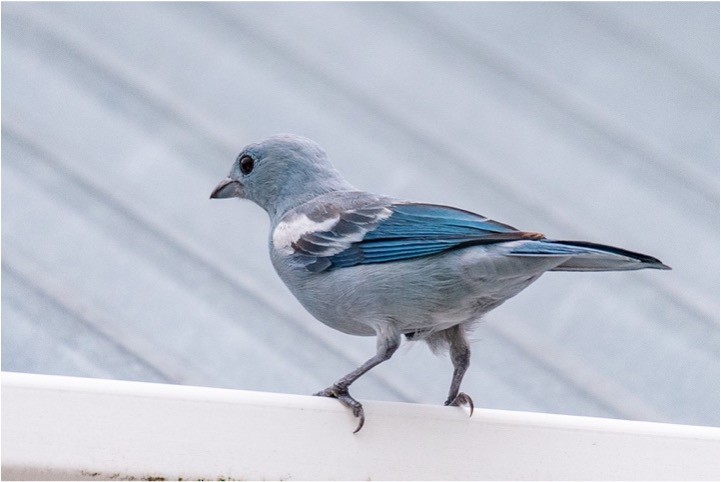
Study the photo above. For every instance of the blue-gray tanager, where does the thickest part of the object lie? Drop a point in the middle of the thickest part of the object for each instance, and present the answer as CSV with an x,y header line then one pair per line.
x,y
369,265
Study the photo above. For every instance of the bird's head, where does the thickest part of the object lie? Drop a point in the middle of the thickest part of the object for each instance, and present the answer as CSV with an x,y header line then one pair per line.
x,y
280,173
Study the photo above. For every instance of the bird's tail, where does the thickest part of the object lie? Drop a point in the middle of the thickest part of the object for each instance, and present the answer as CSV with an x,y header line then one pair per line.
x,y
585,256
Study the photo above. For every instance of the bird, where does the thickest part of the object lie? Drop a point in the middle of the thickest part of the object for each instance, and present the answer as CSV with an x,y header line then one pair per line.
x,y
373,265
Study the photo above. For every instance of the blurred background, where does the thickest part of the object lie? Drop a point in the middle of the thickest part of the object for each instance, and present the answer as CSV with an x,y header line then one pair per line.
x,y
591,121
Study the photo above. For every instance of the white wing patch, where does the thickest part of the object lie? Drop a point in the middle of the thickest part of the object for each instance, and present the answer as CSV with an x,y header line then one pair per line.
x,y
289,232
321,238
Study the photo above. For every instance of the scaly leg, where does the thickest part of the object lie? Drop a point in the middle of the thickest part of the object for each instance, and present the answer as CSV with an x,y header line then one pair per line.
x,y
461,358
387,345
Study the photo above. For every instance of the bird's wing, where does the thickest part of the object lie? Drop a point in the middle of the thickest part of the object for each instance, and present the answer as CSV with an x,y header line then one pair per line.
x,y
379,231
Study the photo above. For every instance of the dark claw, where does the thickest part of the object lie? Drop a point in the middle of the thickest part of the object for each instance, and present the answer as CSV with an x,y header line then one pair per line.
x,y
342,395
460,400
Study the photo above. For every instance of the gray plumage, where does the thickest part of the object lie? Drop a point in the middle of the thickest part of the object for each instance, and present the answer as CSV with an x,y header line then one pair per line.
x,y
373,265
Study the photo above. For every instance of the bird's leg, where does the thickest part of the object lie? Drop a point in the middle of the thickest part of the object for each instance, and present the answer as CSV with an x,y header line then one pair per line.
x,y
387,344
461,358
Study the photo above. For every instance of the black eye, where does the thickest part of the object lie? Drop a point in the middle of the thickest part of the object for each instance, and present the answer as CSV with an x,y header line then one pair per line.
x,y
246,164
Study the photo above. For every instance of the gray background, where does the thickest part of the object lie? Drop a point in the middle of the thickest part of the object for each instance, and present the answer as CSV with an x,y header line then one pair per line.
x,y
583,121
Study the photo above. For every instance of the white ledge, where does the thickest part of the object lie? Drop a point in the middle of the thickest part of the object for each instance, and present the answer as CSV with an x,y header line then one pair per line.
x,y
79,428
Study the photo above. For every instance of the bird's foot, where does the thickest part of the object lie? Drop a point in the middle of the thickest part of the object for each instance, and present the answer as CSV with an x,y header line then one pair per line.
x,y
460,400
341,393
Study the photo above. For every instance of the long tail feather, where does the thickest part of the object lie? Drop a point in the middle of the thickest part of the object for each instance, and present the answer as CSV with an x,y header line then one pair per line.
x,y
586,256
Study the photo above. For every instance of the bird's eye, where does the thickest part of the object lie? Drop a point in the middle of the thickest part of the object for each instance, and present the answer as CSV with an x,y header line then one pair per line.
x,y
246,164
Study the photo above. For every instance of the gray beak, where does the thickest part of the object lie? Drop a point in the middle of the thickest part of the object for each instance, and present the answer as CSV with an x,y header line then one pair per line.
x,y
227,188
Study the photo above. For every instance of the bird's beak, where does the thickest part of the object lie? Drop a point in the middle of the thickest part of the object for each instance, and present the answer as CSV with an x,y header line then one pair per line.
x,y
227,188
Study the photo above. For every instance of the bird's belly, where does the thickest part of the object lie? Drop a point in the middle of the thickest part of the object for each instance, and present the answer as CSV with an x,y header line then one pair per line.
x,y
428,293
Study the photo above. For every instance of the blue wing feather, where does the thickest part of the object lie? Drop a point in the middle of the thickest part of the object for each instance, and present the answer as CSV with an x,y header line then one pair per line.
x,y
420,220
411,231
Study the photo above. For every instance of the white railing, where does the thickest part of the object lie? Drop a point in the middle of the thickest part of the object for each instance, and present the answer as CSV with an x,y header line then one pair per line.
x,y
78,428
